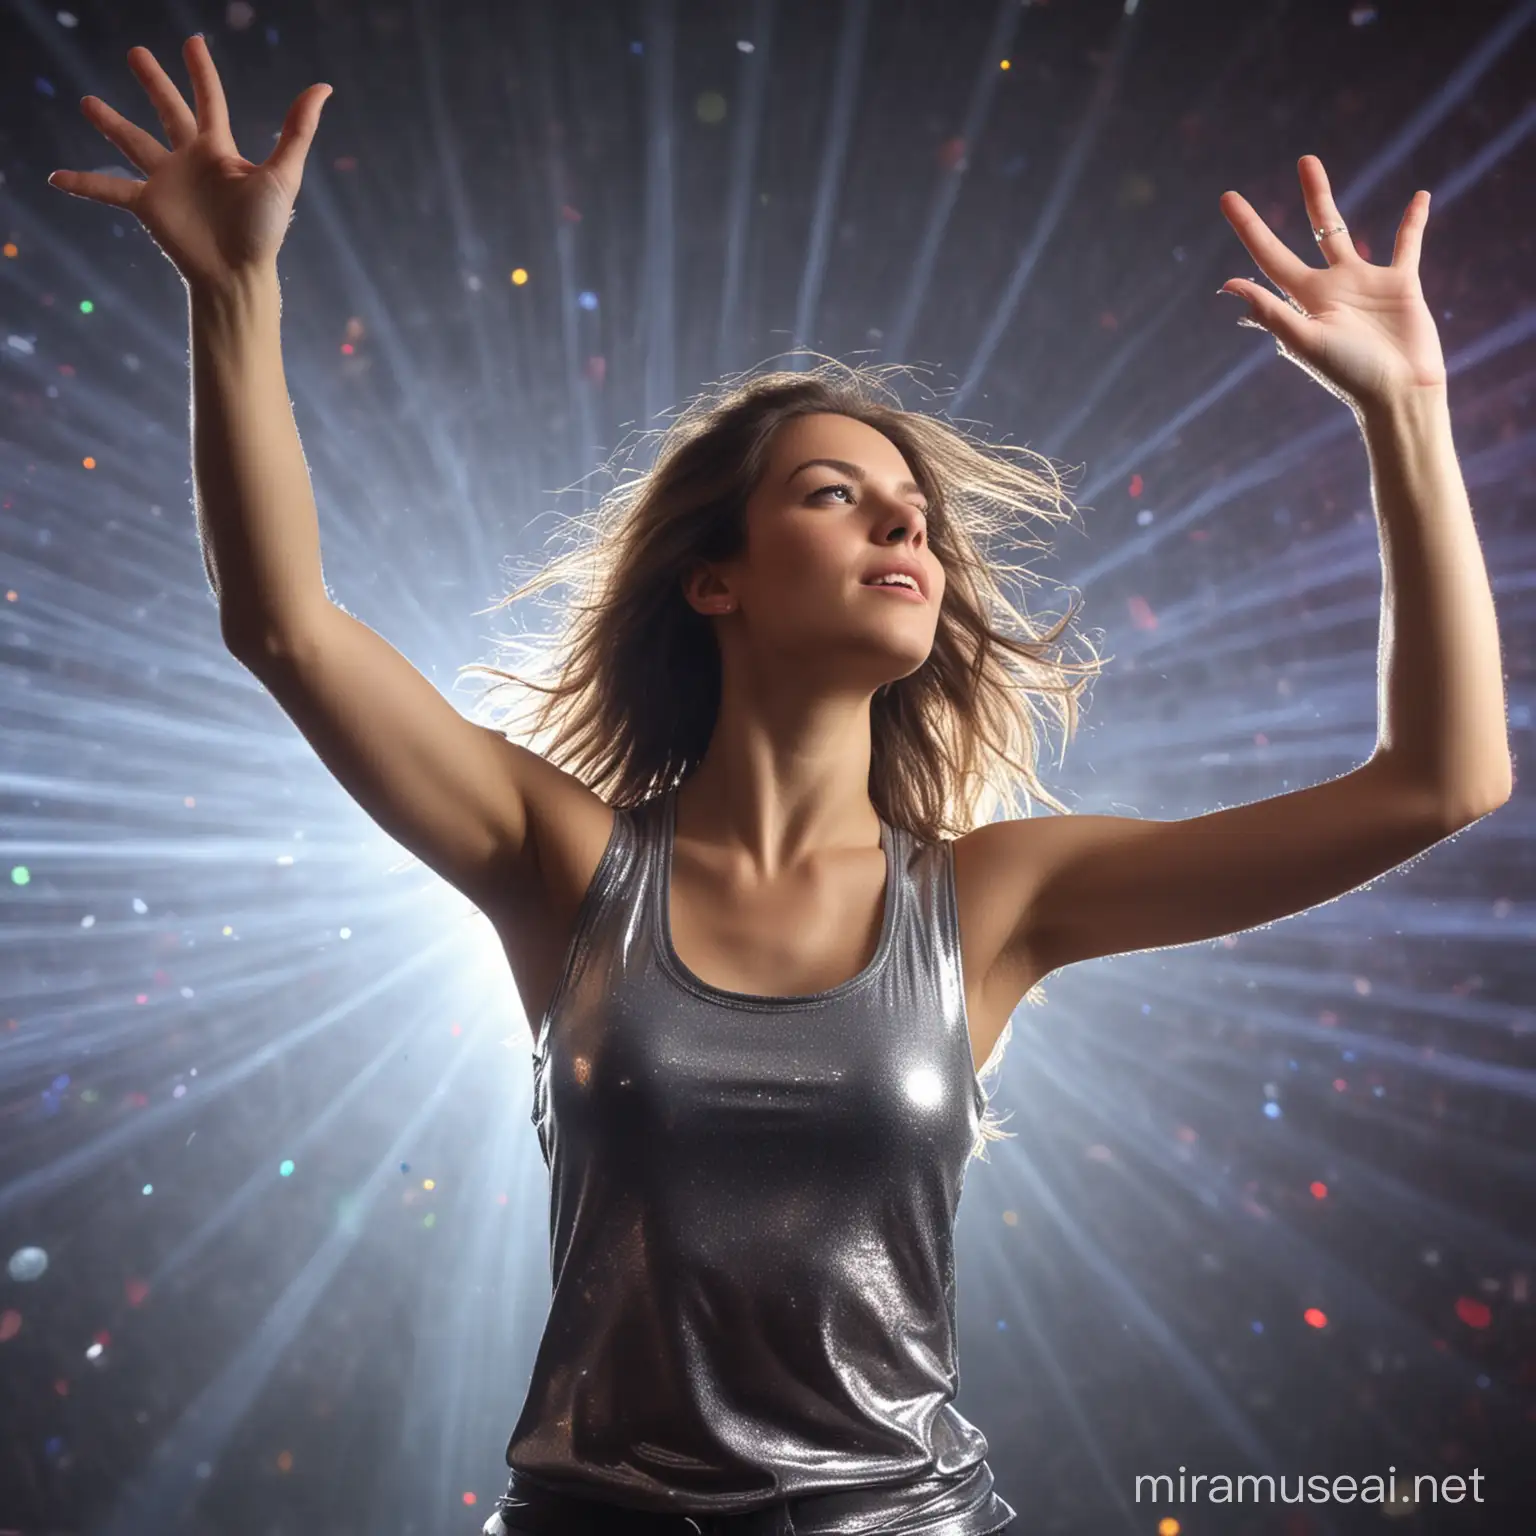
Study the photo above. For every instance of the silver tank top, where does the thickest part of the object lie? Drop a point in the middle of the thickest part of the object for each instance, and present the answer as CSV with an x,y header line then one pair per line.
x,y
752,1207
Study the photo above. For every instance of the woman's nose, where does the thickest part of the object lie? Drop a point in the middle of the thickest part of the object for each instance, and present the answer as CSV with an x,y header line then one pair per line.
x,y
904,525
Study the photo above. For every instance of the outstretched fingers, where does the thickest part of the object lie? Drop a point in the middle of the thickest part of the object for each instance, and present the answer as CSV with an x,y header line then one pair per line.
x,y
175,115
1410,233
119,191
1273,257
207,89
143,149
1337,245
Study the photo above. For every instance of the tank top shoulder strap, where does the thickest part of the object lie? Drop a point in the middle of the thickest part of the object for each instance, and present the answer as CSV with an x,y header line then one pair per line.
x,y
928,874
933,931
616,883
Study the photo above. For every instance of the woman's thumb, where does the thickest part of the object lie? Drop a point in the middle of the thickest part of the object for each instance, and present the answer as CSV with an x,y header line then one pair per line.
x,y
298,132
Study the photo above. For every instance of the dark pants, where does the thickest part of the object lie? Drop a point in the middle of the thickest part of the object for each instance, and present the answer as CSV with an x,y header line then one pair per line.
x,y
542,1512
967,1504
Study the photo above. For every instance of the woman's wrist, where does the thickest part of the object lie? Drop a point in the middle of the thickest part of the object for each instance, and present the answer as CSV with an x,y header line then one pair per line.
x,y
235,295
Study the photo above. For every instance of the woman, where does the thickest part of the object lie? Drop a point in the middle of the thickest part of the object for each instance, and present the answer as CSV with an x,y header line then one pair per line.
x,y
761,929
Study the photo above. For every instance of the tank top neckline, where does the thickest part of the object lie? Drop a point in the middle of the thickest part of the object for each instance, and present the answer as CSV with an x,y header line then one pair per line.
x,y
672,963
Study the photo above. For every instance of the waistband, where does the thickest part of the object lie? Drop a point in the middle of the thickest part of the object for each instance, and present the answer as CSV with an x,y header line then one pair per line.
x,y
541,1513
931,1506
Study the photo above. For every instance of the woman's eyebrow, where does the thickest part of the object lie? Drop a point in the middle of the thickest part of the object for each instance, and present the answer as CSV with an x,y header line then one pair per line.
x,y
849,469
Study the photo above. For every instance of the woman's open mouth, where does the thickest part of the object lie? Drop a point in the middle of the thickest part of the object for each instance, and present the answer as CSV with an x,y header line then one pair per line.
x,y
896,589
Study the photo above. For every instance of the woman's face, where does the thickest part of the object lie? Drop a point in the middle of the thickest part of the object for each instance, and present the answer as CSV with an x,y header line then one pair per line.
x,y
818,533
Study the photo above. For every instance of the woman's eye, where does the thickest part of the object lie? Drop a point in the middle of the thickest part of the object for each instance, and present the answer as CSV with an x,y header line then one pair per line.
x,y
828,488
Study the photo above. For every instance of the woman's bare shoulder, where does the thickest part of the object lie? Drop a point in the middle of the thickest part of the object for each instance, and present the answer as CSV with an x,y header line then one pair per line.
x,y
568,828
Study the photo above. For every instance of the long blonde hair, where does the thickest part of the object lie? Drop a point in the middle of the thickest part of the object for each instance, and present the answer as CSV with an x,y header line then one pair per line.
x,y
628,681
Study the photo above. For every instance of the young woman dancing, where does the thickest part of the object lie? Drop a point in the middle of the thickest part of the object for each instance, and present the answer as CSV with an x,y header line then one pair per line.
x,y
763,926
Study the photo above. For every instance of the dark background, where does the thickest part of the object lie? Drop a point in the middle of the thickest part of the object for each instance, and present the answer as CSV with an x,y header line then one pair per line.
x,y
211,961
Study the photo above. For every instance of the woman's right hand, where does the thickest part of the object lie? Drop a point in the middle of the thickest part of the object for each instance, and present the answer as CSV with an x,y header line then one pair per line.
x,y
214,214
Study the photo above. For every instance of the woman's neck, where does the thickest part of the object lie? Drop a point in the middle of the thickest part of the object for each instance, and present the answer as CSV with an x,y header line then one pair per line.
x,y
783,779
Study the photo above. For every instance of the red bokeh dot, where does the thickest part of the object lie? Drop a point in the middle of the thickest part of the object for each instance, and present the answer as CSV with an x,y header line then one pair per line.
x,y
1472,1312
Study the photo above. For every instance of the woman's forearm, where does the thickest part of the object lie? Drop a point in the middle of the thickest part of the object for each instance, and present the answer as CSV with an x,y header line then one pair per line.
x,y
1441,699
255,506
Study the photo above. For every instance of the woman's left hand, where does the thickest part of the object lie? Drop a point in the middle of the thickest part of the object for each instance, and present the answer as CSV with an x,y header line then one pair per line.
x,y
1363,332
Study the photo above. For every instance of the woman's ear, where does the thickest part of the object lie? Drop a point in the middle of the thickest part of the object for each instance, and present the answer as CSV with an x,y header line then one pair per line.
x,y
706,592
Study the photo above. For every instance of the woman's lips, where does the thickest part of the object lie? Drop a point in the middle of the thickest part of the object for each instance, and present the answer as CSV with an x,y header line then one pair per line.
x,y
910,593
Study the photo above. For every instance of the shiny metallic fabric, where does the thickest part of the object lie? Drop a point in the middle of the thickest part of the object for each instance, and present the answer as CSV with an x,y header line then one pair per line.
x,y
752,1228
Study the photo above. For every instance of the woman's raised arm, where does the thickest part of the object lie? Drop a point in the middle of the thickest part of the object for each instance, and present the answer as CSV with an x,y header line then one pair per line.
x,y
457,795
220,220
